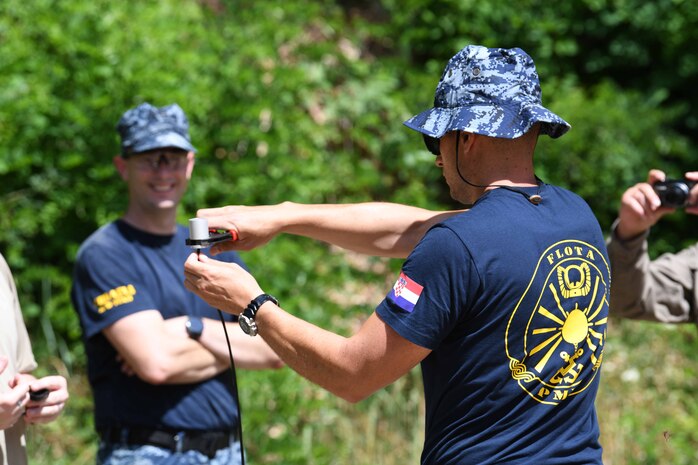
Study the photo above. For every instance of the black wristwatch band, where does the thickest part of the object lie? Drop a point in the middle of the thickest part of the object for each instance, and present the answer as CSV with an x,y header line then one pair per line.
x,y
247,317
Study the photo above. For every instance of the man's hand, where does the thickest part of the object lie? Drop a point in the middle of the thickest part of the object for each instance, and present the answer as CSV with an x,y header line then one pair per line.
x,y
225,286
255,226
640,207
13,401
692,207
48,409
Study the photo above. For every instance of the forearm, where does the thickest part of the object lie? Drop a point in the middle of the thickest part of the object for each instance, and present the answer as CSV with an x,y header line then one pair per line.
x,y
662,290
181,362
160,352
318,355
195,365
374,228
629,262
350,367
669,291
248,352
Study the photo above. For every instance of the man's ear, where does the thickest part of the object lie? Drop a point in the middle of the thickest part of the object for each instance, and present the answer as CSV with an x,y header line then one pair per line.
x,y
191,161
467,140
120,165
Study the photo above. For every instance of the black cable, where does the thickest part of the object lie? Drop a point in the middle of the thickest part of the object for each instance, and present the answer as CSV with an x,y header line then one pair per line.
x,y
234,377
535,199
235,385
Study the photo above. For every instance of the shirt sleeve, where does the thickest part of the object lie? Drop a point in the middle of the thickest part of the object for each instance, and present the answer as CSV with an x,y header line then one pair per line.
x,y
430,296
662,290
23,358
106,288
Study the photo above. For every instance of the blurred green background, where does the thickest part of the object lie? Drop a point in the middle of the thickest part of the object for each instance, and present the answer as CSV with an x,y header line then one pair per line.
x,y
304,101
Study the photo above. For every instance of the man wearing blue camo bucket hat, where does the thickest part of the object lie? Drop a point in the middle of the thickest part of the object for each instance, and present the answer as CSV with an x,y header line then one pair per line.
x,y
504,305
493,92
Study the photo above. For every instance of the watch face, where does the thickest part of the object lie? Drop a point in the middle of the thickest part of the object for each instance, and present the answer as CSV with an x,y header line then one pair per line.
x,y
248,325
194,327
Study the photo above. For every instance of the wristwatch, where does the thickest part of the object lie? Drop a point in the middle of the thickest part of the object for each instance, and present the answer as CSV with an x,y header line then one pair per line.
x,y
194,327
246,319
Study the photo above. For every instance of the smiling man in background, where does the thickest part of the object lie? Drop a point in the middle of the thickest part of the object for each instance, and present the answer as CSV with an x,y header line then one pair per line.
x,y
157,356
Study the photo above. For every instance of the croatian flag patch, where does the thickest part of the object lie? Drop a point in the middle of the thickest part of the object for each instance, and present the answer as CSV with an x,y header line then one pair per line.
x,y
405,293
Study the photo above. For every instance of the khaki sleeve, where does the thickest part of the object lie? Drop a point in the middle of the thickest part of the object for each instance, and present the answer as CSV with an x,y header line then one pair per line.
x,y
24,357
662,290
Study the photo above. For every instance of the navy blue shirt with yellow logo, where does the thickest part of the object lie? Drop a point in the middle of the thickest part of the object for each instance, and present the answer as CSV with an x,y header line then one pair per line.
x,y
121,270
512,299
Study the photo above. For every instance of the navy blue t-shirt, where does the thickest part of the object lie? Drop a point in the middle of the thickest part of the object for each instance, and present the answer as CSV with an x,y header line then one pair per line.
x,y
121,270
512,299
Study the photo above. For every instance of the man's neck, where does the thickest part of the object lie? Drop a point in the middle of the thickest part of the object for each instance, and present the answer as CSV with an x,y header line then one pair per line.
x,y
515,181
160,222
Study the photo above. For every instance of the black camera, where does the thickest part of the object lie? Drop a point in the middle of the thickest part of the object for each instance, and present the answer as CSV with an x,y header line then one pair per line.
x,y
39,396
673,193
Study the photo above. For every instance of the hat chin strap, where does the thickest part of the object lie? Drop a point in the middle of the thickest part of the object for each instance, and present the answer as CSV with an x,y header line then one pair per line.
x,y
535,199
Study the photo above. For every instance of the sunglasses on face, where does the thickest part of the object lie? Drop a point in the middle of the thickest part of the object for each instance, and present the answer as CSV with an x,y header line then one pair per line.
x,y
433,144
156,159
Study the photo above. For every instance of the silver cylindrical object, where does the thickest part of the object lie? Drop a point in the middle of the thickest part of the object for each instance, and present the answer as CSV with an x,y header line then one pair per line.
x,y
198,229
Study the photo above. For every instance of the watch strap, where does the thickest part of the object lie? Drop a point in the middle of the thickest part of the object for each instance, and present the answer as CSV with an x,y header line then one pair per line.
x,y
253,307
247,318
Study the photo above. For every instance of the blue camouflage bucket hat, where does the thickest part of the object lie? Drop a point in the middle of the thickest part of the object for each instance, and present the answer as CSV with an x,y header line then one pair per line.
x,y
147,127
490,91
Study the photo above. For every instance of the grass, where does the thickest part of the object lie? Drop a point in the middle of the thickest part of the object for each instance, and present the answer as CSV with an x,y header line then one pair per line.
x,y
648,402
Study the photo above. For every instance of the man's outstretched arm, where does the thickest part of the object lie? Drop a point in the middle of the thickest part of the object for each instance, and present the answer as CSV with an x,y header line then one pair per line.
x,y
373,228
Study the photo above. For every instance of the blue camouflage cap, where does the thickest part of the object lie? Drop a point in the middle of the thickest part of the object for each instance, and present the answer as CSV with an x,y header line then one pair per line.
x,y
147,127
490,91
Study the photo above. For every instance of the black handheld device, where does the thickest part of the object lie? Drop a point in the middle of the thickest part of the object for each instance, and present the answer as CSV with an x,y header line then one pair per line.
x,y
201,237
674,193
38,396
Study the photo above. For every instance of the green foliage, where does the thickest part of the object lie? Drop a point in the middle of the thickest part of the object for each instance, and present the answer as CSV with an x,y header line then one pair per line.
x,y
304,101
603,155
646,403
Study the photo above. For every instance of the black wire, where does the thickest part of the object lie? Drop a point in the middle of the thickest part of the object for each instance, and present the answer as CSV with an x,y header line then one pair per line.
x,y
235,380
534,199
235,385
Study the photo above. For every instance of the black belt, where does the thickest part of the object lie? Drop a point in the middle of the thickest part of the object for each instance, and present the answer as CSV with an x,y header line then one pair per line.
x,y
206,442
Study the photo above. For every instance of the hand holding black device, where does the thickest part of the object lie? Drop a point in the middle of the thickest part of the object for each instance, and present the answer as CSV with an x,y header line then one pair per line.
x,y
674,193
39,396
201,237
